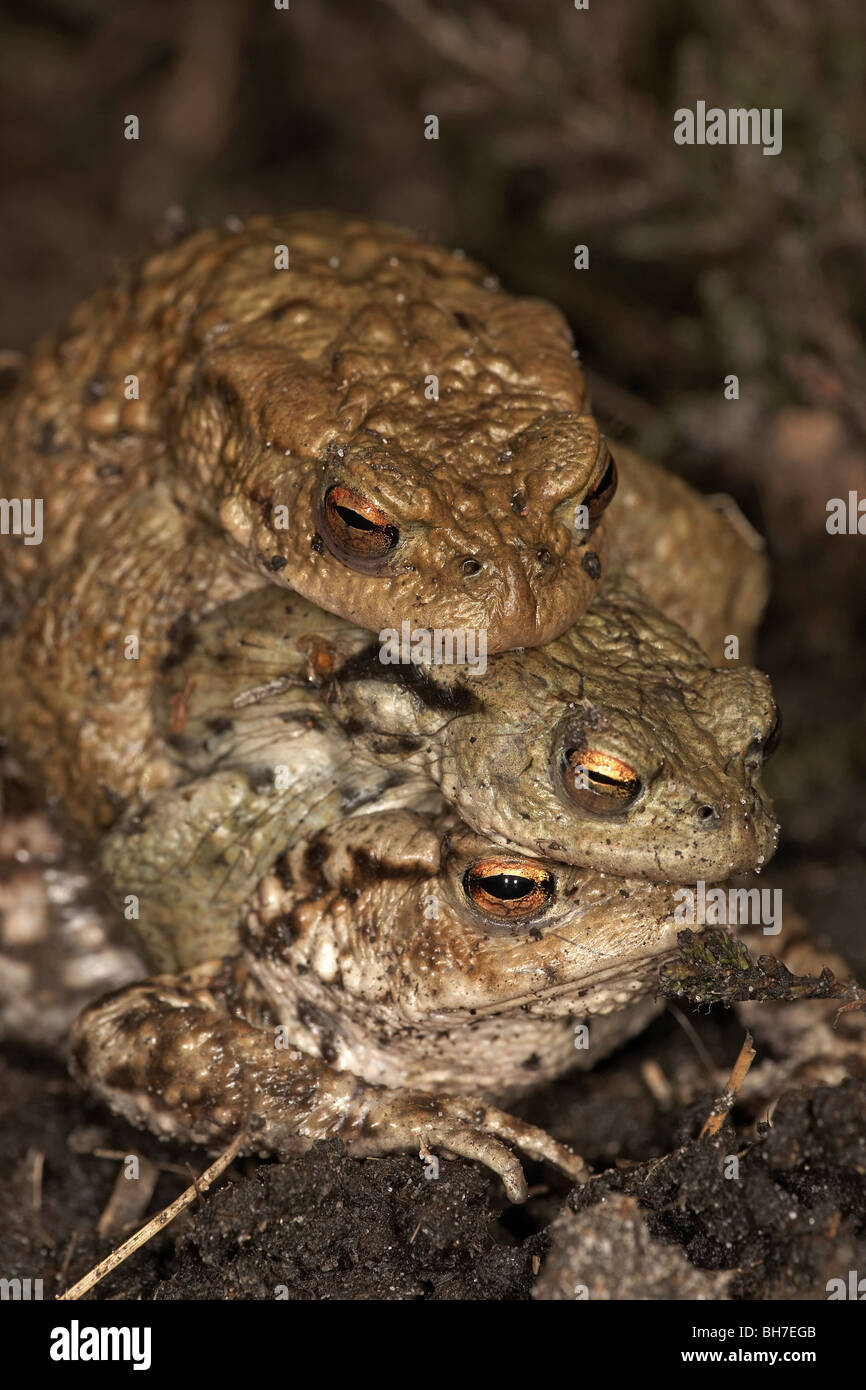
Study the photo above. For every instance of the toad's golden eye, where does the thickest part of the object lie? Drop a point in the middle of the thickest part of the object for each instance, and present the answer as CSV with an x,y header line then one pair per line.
x,y
601,494
508,889
354,529
599,782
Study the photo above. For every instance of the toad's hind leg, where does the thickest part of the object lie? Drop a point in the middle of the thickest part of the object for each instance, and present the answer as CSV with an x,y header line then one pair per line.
x,y
177,1056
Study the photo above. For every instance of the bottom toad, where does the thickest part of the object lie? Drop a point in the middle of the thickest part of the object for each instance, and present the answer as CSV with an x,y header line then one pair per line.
x,y
398,974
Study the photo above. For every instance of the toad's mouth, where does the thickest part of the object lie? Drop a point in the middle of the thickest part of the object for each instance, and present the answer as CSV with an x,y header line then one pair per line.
x,y
636,977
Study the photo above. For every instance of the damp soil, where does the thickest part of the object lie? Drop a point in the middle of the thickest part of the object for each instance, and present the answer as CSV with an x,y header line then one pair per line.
x,y
326,1226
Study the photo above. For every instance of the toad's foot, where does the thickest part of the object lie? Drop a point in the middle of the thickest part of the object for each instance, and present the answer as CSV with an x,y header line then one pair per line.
x,y
174,1055
463,1126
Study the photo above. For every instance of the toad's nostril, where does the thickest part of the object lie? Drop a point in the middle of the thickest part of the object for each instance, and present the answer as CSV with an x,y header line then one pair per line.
x,y
707,814
470,567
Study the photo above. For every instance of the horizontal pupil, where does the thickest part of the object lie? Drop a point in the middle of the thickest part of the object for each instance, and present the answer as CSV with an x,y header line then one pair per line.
x,y
611,783
355,519
507,886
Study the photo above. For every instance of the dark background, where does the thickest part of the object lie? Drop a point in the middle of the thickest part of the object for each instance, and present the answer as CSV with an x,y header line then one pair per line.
x,y
556,127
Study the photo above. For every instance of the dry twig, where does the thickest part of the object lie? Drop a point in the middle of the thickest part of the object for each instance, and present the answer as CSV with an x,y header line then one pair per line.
x,y
739,1071
156,1224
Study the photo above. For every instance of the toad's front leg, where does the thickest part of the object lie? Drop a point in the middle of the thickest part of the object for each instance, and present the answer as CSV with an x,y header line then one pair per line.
x,y
173,1055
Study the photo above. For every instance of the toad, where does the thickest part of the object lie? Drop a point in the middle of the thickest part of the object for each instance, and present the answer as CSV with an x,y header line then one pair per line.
x,y
397,976
364,417
617,747
357,414
333,406
400,974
